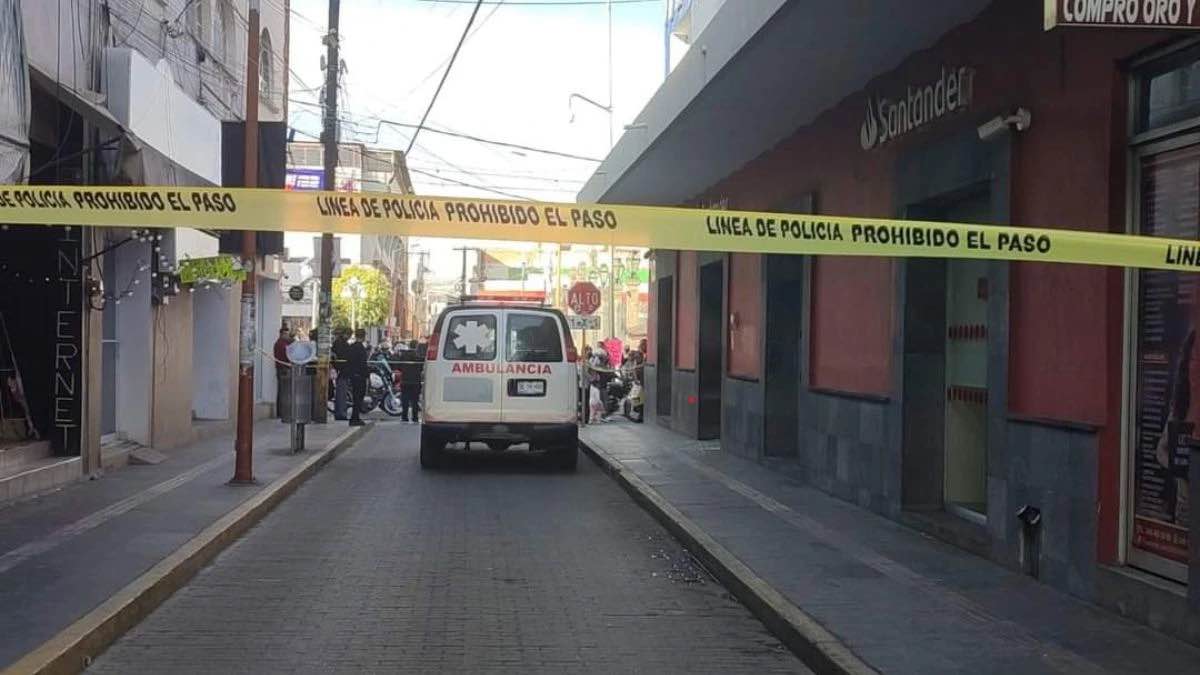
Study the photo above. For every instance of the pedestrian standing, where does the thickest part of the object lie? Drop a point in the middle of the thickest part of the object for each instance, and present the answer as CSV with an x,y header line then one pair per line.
x,y
341,389
356,365
281,364
412,369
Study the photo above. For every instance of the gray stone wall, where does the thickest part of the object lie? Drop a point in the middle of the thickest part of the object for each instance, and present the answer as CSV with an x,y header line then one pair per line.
x,y
1053,469
845,450
742,417
684,403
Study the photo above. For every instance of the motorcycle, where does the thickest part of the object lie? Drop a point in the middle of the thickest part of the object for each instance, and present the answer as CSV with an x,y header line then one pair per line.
x,y
382,387
614,393
633,406
382,390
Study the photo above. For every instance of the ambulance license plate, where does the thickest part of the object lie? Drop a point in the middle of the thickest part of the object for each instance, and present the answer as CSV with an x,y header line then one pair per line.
x,y
531,388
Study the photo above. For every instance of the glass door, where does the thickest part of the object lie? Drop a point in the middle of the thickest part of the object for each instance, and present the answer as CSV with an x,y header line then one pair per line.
x,y
966,388
1166,369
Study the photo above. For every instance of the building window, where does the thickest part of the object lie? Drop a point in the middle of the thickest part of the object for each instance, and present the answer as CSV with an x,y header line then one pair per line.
x,y
266,68
1164,333
222,39
197,18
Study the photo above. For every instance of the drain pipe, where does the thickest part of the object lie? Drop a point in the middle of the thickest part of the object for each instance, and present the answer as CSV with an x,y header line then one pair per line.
x,y
1031,538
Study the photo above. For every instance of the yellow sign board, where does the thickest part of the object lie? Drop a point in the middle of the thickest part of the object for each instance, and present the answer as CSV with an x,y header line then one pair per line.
x,y
644,226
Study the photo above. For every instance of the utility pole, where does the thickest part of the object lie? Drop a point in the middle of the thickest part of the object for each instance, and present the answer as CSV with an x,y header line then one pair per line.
x,y
611,105
612,291
464,249
329,136
243,471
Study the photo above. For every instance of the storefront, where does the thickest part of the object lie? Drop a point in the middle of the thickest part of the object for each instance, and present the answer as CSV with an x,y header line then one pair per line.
x,y
959,397
1161,432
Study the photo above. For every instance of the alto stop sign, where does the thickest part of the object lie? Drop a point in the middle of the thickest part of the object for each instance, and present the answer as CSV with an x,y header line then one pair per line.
x,y
583,298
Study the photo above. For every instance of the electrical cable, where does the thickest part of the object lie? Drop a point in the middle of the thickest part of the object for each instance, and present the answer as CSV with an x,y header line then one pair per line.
x,y
363,155
471,185
436,69
470,137
547,3
445,74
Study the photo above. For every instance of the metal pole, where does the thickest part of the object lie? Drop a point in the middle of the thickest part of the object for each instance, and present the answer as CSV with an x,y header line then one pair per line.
x,y
667,41
610,76
330,139
612,291
243,471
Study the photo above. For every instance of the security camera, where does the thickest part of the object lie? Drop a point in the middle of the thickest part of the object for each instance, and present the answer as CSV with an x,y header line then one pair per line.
x,y
1020,120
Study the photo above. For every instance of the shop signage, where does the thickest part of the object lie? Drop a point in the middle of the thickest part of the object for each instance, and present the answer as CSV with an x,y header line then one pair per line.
x,y
1123,13
67,410
890,118
217,269
578,322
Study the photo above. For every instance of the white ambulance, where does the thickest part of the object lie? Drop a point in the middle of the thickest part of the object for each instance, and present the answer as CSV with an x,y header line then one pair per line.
x,y
501,374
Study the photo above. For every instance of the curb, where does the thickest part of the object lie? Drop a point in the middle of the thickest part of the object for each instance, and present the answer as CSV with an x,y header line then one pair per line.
x,y
72,650
803,635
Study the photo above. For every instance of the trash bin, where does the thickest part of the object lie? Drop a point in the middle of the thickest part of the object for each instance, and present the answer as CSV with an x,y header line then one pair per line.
x,y
296,395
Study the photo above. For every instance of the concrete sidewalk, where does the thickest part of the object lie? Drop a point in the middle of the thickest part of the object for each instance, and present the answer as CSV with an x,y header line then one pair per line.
x,y
64,553
897,600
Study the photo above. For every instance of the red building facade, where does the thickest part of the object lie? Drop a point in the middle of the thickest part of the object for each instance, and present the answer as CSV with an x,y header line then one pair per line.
x,y
950,395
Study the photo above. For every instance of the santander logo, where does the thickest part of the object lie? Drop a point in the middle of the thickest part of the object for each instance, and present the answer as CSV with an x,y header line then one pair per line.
x,y
868,134
889,118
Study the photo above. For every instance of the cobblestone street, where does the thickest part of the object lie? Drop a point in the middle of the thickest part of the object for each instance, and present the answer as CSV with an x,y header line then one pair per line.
x,y
492,565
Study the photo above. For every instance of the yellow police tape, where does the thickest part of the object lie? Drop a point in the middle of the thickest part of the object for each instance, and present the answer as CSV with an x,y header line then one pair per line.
x,y
652,227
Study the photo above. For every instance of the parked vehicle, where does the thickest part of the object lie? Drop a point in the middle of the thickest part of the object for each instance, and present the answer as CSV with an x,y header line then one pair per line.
x,y
632,407
501,374
382,390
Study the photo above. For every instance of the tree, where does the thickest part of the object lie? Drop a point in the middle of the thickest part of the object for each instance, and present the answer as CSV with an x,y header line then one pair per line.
x,y
373,293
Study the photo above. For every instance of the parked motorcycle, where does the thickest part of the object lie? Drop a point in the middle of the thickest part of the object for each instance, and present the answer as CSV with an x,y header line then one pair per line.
x,y
614,393
632,406
382,390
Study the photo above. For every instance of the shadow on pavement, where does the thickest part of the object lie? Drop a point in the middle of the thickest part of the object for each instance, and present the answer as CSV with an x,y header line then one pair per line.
x,y
515,460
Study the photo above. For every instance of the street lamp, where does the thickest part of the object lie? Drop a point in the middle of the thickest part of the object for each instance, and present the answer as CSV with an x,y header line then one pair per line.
x,y
353,291
606,108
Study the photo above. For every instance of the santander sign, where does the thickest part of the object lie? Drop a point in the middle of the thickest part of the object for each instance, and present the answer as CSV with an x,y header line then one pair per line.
x,y
891,118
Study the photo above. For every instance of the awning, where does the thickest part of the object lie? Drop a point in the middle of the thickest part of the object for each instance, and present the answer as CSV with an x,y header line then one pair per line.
x,y
759,71
88,104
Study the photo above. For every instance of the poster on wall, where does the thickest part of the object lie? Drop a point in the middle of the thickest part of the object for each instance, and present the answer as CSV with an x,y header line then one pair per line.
x,y
1168,362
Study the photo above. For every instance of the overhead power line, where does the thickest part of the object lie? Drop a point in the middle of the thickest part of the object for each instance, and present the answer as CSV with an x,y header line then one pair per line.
x,y
470,185
547,3
445,74
430,174
504,144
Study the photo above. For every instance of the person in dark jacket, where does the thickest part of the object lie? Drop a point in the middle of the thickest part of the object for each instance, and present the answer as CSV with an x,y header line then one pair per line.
x,y
356,366
282,365
412,369
341,390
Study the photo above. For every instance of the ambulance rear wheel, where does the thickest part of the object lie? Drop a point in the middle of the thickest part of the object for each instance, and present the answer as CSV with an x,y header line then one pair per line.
x,y
432,451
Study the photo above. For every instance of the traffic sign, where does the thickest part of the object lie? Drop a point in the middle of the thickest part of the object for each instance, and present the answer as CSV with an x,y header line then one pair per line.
x,y
577,322
583,298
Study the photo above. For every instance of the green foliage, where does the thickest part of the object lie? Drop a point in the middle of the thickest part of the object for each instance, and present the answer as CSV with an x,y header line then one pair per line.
x,y
374,300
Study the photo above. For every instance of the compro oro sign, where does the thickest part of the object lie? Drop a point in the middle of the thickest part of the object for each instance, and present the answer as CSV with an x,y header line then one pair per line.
x,y
1123,13
890,118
